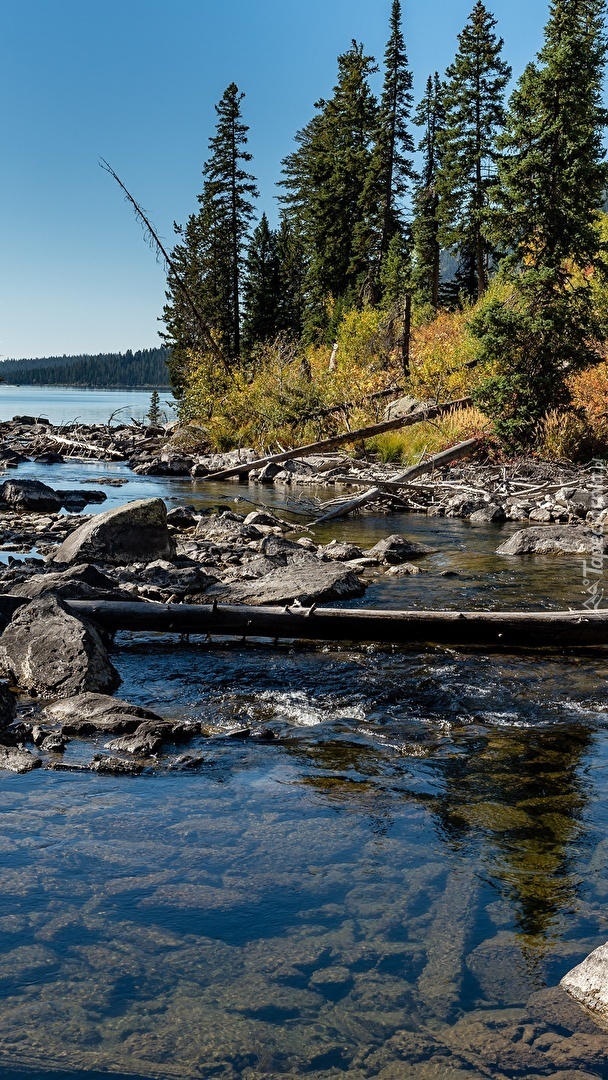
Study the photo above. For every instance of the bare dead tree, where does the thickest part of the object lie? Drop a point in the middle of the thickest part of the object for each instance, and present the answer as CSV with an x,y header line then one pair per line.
x,y
153,240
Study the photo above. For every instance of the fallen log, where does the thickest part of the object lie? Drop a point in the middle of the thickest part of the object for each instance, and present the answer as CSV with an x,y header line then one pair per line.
x,y
82,446
359,435
455,453
486,629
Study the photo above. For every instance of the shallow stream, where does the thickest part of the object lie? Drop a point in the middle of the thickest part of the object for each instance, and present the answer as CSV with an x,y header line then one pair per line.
x,y
391,888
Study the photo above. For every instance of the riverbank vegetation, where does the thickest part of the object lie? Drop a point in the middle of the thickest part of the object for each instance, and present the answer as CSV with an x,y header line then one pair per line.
x,y
439,249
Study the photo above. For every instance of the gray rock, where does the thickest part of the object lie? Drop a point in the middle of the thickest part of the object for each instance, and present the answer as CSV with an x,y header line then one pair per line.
x,y
541,513
262,517
115,766
490,512
403,407
78,583
397,549
406,568
136,531
588,982
182,518
30,495
45,650
53,744
17,759
268,473
308,581
553,540
147,739
227,527
342,551
90,714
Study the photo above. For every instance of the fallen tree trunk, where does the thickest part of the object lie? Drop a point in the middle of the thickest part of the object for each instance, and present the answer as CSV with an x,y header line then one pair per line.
x,y
360,435
82,446
455,453
488,629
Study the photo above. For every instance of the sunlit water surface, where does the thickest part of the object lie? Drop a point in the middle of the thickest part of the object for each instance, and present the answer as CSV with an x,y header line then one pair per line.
x,y
391,888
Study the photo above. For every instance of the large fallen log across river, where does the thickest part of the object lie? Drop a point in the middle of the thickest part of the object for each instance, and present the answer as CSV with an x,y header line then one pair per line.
x,y
455,453
487,629
431,412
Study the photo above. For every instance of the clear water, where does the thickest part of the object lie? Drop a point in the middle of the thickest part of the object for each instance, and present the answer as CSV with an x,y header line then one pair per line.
x,y
391,888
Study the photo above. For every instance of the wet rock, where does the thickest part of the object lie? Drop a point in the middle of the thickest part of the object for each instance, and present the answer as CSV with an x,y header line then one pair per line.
x,y
308,581
186,761
80,582
17,759
501,971
553,540
182,517
45,650
12,457
53,744
397,549
134,532
406,568
490,512
342,551
147,739
90,714
30,495
115,766
588,982
7,705
50,458
74,499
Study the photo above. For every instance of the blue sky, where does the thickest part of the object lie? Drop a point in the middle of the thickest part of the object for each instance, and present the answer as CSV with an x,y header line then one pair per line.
x,y
135,81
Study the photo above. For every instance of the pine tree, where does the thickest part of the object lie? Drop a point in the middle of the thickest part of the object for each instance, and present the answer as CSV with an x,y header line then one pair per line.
x,y
231,189
326,180
425,226
474,114
553,177
392,167
154,412
209,254
261,292
292,278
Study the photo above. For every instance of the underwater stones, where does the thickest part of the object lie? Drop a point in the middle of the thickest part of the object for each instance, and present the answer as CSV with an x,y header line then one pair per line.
x,y
135,532
30,495
45,650
397,549
90,713
588,982
553,540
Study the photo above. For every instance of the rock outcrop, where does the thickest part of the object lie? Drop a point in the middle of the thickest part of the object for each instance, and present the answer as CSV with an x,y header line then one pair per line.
x,y
135,532
47,651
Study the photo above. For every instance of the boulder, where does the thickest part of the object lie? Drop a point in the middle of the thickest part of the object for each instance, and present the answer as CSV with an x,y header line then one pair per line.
x,y
84,582
115,766
553,540
182,517
397,549
18,759
30,495
227,527
342,551
307,580
403,406
91,714
45,650
588,983
490,512
135,532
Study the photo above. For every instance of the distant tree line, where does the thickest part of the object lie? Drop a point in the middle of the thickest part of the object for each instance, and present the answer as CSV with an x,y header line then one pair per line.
x,y
380,192
145,368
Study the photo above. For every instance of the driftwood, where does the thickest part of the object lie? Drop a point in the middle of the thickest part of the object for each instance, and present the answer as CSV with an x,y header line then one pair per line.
x,y
82,446
360,435
487,629
455,453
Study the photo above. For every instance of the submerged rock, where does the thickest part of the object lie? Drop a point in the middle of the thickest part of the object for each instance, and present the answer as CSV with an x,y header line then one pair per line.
x,y
90,714
45,650
554,540
135,532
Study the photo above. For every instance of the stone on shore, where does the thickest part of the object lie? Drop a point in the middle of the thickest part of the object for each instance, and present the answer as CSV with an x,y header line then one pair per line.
x,y
554,540
397,549
47,651
306,580
30,495
135,532
588,983
92,714
81,582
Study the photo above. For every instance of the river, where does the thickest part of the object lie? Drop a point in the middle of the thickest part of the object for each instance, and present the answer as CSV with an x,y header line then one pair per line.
x,y
391,888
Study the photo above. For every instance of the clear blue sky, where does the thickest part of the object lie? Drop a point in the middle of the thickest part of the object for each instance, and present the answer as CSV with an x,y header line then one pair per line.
x,y
136,81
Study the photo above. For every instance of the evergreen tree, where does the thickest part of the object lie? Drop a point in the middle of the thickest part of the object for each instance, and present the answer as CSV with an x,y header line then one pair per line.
x,y
292,278
553,177
261,293
425,227
392,168
209,255
154,412
474,114
326,180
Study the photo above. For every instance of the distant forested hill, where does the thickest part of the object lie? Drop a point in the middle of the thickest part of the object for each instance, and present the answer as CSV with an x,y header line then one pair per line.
x,y
146,368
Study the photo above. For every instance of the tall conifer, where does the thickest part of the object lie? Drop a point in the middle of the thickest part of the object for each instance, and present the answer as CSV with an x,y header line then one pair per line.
x,y
261,291
553,177
474,114
425,226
